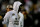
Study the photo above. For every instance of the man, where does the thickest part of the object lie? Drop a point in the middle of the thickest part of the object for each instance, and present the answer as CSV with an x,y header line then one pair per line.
x,y
12,16
9,8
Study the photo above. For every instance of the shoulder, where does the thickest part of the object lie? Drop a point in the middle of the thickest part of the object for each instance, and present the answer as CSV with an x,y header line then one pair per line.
x,y
20,14
12,11
8,12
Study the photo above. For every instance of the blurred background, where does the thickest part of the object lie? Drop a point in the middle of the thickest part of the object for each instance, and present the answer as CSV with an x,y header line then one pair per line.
x,y
31,11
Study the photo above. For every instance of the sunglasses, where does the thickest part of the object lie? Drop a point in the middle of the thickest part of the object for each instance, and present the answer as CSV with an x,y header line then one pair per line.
x,y
10,8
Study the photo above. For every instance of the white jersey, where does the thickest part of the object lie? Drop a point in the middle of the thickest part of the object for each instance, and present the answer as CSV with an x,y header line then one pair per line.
x,y
12,17
21,21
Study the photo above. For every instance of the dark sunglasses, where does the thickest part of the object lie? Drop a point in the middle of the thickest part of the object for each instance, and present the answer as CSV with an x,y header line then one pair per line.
x,y
10,8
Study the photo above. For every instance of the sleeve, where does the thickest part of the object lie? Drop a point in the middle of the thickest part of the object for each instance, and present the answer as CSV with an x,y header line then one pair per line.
x,y
5,19
21,20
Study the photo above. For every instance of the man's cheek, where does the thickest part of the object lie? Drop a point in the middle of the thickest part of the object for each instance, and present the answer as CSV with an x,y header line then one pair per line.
x,y
23,12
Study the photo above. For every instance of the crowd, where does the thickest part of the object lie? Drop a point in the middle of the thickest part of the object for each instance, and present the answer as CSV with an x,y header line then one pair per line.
x,y
31,12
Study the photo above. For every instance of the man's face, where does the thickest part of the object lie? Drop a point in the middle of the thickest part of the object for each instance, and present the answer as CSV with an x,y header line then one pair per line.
x,y
24,13
7,9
